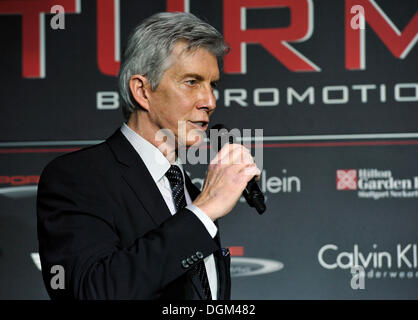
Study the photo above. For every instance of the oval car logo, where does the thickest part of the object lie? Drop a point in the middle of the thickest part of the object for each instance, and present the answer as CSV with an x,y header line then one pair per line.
x,y
19,192
242,266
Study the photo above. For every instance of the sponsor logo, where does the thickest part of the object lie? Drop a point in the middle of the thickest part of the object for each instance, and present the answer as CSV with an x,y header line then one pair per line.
x,y
312,95
237,31
346,179
19,186
400,263
18,180
269,185
377,184
243,267
246,266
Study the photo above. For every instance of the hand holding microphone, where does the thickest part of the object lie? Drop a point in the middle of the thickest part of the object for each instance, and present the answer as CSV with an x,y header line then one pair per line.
x,y
230,174
252,192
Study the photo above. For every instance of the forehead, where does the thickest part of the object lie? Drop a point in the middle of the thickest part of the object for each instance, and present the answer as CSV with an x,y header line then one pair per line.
x,y
198,61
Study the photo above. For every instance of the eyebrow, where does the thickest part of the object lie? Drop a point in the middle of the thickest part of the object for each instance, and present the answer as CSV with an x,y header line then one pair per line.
x,y
197,77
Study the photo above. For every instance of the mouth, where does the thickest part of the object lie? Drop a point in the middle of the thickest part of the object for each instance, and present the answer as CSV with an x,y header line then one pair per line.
x,y
200,125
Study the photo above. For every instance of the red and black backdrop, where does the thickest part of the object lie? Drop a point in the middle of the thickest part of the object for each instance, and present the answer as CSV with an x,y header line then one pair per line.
x,y
337,101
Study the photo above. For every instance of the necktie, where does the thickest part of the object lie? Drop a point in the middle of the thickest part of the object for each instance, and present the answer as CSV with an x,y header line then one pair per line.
x,y
175,178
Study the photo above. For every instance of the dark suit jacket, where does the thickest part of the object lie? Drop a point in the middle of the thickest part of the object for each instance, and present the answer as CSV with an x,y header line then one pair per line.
x,y
102,217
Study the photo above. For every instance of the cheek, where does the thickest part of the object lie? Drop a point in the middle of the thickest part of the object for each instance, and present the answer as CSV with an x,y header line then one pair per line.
x,y
174,106
183,108
165,110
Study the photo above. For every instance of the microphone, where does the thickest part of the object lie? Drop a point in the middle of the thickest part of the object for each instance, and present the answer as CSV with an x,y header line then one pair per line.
x,y
252,192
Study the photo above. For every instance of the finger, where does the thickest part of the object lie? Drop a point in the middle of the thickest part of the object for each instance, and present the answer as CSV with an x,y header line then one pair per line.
x,y
223,154
238,155
242,157
251,171
258,177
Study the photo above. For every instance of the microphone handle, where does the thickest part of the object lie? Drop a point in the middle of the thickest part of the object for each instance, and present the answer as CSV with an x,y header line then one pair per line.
x,y
254,196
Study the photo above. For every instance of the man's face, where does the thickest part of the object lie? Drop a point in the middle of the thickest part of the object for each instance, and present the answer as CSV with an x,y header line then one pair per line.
x,y
184,99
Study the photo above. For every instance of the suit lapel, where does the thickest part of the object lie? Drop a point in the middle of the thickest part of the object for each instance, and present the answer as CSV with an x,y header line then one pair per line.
x,y
137,176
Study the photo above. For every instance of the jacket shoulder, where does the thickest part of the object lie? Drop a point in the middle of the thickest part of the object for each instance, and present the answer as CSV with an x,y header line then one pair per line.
x,y
90,158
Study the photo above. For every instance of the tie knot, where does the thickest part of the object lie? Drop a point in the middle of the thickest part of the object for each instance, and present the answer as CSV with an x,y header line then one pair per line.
x,y
174,176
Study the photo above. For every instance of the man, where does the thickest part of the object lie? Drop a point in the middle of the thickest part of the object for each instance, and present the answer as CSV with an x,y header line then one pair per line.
x,y
122,218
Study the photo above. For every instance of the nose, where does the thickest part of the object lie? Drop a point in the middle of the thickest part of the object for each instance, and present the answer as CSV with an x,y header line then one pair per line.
x,y
207,99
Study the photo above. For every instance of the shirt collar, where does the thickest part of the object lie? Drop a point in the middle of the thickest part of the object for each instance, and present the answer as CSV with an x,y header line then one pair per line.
x,y
156,163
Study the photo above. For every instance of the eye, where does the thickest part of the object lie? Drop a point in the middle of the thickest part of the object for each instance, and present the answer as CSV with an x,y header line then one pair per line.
x,y
191,82
214,84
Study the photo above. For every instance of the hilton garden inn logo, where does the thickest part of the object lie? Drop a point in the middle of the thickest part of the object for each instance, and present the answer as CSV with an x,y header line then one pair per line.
x,y
377,184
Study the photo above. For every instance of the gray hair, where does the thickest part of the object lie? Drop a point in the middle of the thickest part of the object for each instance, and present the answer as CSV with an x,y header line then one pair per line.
x,y
151,43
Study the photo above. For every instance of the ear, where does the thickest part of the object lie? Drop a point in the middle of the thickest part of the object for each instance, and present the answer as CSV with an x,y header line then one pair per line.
x,y
140,88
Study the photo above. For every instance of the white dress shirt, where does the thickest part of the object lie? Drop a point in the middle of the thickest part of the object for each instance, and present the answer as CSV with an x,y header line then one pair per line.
x,y
157,164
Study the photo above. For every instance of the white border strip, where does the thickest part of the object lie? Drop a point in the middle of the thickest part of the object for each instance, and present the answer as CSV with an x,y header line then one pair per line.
x,y
255,139
117,29
49,143
77,6
336,137
42,45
